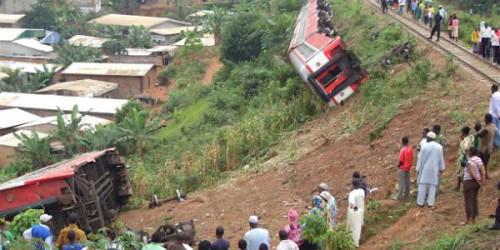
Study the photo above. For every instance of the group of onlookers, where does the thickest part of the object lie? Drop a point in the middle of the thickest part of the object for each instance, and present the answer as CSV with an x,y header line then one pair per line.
x,y
486,42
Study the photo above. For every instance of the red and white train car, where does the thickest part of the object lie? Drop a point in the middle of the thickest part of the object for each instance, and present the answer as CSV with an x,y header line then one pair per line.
x,y
320,56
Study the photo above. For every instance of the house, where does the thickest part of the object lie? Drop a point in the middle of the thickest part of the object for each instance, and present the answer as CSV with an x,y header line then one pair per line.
x,y
49,105
85,88
132,79
49,124
147,22
9,145
169,35
15,42
16,6
11,20
14,117
90,185
86,6
87,41
158,56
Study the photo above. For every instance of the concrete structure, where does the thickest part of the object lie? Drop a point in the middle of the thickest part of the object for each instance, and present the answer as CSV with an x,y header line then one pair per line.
x,y
11,20
15,6
86,6
49,124
11,118
132,79
9,145
85,88
49,105
24,43
147,22
87,41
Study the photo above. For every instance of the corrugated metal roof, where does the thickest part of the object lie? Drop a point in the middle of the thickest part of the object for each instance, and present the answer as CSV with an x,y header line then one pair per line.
x,y
131,20
164,48
59,170
10,34
27,67
87,41
173,31
15,117
110,69
207,40
34,44
138,52
88,122
10,18
85,87
10,139
65,103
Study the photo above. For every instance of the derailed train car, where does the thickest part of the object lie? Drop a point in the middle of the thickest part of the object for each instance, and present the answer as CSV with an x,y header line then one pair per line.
x,y
94,185
320,56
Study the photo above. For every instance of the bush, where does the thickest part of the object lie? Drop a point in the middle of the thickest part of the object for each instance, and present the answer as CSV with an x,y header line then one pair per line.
x,y
25,220
241,38
114,47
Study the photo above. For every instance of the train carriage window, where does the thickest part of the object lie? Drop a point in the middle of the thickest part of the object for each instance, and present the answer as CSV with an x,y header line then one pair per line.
x,y
331,75
306,51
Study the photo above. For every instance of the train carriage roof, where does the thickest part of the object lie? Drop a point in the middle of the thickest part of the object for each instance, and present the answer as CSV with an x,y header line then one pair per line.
x,y
61,170
306,35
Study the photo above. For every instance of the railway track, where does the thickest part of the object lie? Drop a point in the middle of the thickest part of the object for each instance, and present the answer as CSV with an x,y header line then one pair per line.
x,y
461,54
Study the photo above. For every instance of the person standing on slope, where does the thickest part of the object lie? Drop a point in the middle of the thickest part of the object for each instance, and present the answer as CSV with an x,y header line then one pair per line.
x,y
404,167
494,110
355,211
285,243
256,236
430,165
487,136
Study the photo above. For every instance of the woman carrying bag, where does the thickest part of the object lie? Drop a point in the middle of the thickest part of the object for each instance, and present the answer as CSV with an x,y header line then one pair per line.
x,y
473,180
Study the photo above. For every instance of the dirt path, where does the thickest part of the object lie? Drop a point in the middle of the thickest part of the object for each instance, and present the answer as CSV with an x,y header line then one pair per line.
x,y
213,66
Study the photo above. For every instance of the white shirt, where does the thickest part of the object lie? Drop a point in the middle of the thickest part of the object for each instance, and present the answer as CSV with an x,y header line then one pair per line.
x,y
494,39
482,32
287,245
442,13
495,105
187,247
487,32
255,237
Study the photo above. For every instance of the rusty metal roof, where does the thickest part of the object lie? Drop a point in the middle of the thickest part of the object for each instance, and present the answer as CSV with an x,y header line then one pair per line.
x,y
87,41
110,69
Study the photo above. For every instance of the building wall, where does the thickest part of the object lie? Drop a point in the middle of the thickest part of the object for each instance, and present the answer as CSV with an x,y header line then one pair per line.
x,y
12,49
7,155
127,86
15,6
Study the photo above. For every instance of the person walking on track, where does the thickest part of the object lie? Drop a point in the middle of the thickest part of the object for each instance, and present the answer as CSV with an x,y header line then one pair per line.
x,y
437,26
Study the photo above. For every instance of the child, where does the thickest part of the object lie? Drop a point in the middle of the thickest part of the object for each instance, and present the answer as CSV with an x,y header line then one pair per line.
x,y
475,41
477,129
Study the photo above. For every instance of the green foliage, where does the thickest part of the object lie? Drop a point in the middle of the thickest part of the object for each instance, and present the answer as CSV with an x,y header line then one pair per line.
x,y
68,132
241,38
114,47
139,37
122,113
25,220
67,54
136,131
17,81
34,151
42,15
124,6
317,231
340,239
451,242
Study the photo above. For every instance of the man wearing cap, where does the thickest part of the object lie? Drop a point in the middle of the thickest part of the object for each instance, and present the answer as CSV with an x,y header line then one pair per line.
x,y
430,165
41,233
256,236
63,234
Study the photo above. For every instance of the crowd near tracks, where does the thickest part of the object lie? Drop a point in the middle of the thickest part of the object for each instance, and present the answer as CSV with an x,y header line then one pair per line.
x,y
462,54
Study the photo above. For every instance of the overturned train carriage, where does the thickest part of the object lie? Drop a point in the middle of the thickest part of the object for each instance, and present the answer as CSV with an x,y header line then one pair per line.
x,y
320,56
94,185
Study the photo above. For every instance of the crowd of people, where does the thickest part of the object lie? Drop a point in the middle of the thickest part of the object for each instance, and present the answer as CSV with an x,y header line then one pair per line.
x,y
485,39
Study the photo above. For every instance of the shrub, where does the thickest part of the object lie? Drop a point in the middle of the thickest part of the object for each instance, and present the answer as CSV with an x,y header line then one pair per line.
x,y
25,220
241,38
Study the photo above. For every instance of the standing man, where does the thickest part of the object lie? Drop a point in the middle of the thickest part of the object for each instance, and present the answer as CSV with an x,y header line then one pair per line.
x,y
487,136
437,26
495,112
220,243
430,165
72,243
256,236
42,233
285,243
404,167
63,235
385,8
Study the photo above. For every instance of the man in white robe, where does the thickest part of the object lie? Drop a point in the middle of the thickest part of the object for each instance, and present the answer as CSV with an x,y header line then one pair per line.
x,y
356,210
430,165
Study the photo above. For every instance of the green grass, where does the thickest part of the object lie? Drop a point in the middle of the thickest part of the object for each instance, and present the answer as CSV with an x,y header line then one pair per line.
x,y
379,216
182,117
469,237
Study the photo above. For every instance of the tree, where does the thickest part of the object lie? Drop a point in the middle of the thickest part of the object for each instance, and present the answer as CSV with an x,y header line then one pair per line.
x,y
68,132
124,6
137,130
139,37
42,15
14,82
35,150
213,23
67,54
241,38
114,47
41,78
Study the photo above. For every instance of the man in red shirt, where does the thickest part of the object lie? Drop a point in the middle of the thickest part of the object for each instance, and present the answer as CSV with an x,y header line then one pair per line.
x,y
404,166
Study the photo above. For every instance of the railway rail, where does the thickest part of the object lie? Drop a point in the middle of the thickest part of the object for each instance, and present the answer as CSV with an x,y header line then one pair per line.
x,y
457,51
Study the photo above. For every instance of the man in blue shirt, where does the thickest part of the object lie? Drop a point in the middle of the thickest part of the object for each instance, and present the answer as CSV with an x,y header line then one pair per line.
x,y
220,243
72,245
41,234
